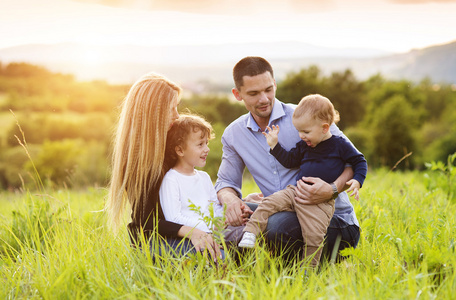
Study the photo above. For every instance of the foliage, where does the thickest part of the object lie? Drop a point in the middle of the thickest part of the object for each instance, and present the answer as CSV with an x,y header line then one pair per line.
x,y
299,84
31,226
215,109
407,251
392,131
56,160
448,171
214,223
385,119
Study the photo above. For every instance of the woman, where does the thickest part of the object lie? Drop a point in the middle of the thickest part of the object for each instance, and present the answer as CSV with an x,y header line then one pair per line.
x,y
138,167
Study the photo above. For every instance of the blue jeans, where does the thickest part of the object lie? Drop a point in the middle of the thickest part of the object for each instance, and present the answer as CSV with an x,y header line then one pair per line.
x,y
284,233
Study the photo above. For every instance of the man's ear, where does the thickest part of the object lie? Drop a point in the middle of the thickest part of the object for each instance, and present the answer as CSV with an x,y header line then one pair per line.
x,y
236,94
179,150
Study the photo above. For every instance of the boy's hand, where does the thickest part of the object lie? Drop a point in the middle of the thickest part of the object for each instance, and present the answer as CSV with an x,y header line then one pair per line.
x,y
272,135
354,188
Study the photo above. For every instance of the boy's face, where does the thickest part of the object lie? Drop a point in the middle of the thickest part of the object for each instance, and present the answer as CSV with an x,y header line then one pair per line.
x,y
195,151
311,131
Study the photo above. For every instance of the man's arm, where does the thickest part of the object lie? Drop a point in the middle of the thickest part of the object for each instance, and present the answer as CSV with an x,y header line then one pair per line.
x,y
320,191
229,182
236,211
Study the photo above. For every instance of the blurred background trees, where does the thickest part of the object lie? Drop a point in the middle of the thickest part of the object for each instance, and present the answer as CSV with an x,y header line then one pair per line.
x,y
68,125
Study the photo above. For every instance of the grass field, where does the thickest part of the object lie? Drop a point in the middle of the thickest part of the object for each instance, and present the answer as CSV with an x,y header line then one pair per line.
x,y
55,245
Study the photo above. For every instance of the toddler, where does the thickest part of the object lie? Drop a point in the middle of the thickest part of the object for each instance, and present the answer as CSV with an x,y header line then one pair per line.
x,y
318,154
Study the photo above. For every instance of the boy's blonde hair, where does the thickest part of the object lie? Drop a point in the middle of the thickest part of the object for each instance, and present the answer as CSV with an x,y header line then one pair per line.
x,y
179,132
140,141
317,107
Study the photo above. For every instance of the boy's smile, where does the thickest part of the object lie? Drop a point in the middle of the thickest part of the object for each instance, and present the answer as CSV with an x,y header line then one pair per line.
x,y
194,153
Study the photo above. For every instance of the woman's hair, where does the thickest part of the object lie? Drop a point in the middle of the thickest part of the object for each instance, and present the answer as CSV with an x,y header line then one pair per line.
x,y
317,107
250,66
140,141
179,132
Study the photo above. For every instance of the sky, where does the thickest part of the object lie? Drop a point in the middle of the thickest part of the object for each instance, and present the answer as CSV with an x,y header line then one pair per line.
x,y
390,25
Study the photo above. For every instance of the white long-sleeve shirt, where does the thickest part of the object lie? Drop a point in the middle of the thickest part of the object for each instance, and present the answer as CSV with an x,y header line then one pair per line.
x,y
177,189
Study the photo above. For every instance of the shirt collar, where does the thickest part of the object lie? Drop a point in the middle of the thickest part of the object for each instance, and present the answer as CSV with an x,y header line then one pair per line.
x,y
277,113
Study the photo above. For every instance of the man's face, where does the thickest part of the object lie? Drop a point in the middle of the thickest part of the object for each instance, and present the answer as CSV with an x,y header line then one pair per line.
x,y
258,94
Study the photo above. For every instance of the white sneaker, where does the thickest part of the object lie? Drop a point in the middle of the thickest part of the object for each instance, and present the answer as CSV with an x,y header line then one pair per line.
x,y
248,240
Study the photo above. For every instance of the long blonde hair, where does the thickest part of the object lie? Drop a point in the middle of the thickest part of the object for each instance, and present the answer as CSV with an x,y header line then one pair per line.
x,y
140,142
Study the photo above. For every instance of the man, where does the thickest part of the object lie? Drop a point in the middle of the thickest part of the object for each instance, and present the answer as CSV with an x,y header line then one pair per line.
x,y
245,146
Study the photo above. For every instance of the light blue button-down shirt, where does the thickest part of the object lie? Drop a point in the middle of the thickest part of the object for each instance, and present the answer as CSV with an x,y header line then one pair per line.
x,y
245,146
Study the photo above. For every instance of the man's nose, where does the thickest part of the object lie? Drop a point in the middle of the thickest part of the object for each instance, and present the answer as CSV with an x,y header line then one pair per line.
x,y
264,97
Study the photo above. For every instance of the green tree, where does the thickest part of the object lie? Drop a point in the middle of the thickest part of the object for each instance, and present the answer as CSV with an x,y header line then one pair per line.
x,y
393,131
379,90
296,85
346,93
57,161
213,108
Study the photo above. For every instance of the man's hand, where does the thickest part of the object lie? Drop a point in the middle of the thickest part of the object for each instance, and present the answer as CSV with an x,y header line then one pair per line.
x,y
237,212
312,190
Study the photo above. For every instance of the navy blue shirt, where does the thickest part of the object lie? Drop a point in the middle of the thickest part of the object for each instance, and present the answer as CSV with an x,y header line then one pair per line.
x,y
326,161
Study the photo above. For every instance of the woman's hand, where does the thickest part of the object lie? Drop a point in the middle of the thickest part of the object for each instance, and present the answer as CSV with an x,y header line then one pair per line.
x,y
205,241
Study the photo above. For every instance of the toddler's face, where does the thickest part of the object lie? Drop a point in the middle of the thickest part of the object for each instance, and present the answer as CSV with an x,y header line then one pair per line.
x,y
310,131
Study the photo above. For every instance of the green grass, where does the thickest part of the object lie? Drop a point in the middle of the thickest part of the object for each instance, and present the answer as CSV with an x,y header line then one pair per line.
x,y
62,249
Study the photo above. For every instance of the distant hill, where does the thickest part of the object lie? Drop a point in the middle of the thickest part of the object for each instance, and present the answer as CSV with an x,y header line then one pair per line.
x,y
436,62
190,65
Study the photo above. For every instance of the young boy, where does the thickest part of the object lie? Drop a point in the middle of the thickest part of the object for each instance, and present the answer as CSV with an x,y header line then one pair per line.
x,y
187,148
318,154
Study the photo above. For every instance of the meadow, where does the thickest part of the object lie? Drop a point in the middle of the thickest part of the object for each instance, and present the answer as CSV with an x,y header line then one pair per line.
x,y
55,245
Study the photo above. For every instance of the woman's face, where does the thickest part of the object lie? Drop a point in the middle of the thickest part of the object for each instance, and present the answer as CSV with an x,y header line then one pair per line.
x,y
173,114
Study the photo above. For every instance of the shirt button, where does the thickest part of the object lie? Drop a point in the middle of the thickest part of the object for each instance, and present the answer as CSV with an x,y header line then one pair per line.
x,y
275,172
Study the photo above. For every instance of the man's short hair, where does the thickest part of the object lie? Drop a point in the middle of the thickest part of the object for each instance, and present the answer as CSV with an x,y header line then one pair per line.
x,y
250,66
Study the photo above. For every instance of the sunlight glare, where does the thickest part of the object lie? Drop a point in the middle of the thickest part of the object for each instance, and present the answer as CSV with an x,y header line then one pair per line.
x,y
90,57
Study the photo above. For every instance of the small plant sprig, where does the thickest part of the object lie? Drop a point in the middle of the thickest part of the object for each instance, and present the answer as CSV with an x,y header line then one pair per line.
x,y
214,223
448,170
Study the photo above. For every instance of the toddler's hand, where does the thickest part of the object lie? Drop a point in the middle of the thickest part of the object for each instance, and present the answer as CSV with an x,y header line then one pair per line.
x,y
354,188
272,135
